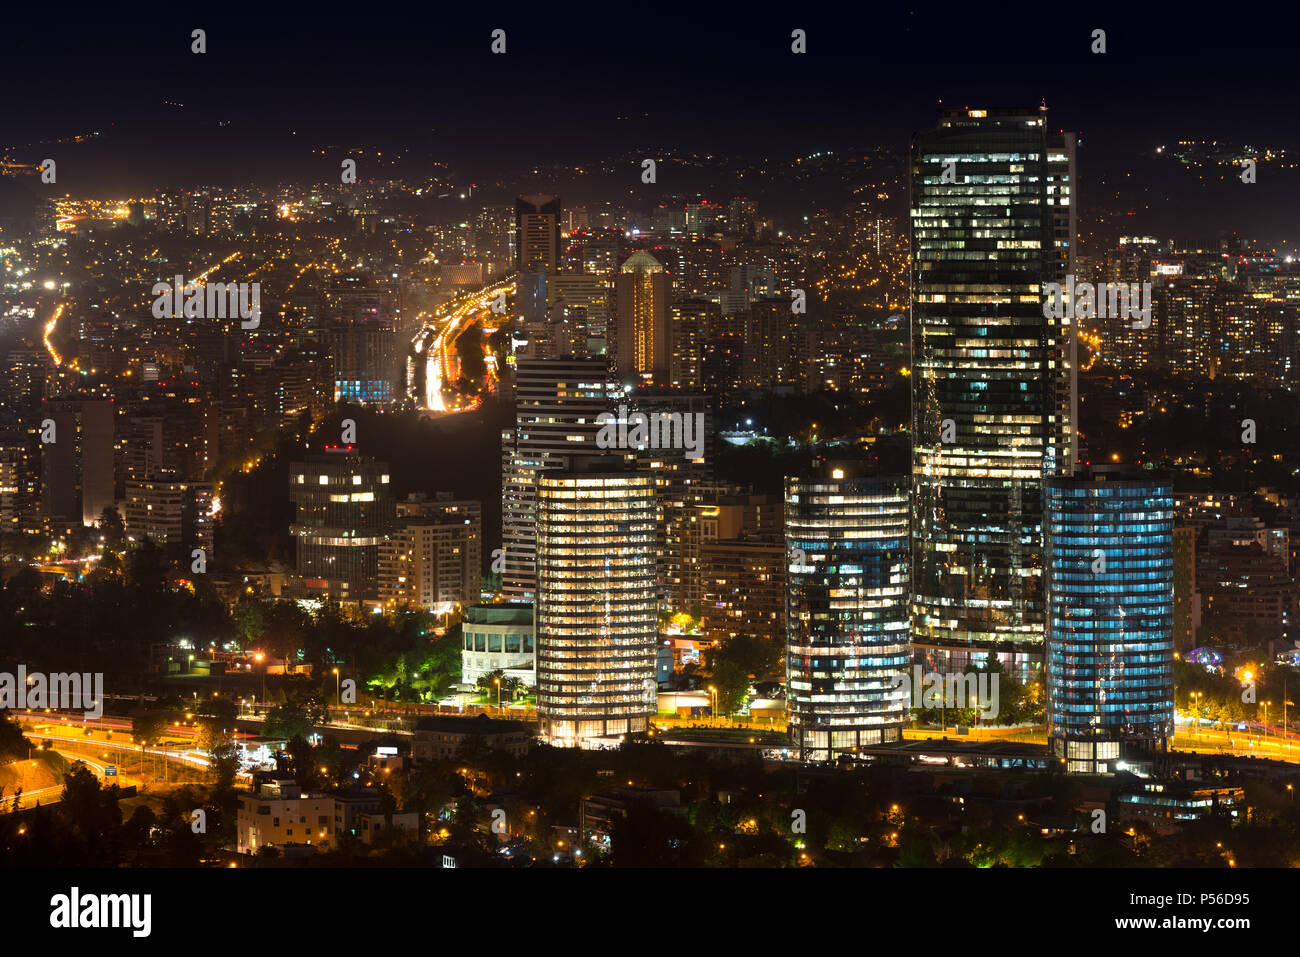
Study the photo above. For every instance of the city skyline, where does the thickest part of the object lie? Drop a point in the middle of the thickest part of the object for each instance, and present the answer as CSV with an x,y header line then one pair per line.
x,y
648,438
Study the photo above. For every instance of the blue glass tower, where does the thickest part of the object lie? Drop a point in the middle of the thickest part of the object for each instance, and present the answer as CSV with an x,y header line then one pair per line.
x,y
846,610
1109,559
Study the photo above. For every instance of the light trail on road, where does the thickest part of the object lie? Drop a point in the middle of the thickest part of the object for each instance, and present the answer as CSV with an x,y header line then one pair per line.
x,y
450,321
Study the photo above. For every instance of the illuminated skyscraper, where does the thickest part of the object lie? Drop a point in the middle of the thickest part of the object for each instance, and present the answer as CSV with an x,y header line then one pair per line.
x,y
556,405
1109,555
537,233
343,505
993,379
642,342
846,610
597,617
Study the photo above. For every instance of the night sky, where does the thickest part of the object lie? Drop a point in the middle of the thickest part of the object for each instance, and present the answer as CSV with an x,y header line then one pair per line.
x,y
594,81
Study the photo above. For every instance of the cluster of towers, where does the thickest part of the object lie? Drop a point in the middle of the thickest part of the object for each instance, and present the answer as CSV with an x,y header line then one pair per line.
x,y
998,552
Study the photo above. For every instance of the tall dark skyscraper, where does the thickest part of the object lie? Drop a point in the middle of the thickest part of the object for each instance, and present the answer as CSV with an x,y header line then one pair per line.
x,y
77,467
1109,547
343,504
993,220
537,233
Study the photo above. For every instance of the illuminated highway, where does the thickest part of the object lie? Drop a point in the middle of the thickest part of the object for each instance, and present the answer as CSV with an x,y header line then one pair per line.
x,y
436,342
49,331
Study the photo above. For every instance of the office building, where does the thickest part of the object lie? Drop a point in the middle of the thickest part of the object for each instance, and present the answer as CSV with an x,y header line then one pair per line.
x,y
343,507
846,610
642,341
992,197
537,233
1109,557
557,402
597,617
498,638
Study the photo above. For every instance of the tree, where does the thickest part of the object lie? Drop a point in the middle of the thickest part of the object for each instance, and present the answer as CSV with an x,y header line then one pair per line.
x,y
91,809
111,530
734,664
224,766
13,744
216,720
487,684
288,720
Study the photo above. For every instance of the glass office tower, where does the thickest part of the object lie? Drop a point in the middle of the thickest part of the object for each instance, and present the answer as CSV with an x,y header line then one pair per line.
x,y
343,505
597,617
1109,554
992,215
846,610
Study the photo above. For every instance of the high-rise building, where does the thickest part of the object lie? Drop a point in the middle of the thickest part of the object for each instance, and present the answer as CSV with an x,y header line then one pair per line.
x,y
642,342
1109,556
677,472
77,469
17,497
344,505
582,300
1187,600
743,586
432,556
708,514
694,321
537,233
365,352
171,512
557,402
494,239
993,379
846,610
597,617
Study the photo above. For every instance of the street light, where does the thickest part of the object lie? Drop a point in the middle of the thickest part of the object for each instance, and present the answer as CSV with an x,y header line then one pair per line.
x,y
713,706
497,682
337,698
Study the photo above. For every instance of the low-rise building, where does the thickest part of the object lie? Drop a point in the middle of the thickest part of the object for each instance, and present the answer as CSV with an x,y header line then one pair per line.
x,y
349,805
280,812
498,637
396,828
440,738
600,813
1168,806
